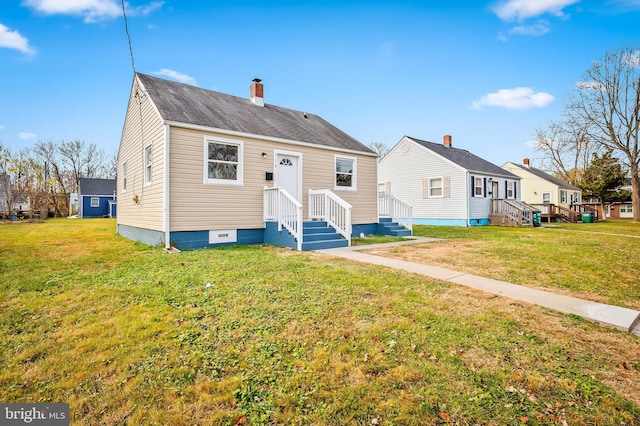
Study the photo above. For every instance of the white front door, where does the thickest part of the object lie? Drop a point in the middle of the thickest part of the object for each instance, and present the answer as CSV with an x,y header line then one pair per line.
x,y
288,173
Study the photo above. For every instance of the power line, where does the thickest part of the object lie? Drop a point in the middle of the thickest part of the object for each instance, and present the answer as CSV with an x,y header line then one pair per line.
x,y
126,27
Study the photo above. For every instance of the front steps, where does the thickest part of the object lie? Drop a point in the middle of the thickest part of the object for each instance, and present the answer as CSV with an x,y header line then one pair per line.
x,y
318,235
386,226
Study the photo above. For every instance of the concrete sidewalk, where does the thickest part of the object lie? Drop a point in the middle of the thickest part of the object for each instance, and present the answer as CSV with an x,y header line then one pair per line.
x,y
621,318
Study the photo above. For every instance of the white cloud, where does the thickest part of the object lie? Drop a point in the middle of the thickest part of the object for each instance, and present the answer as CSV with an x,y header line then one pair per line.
x,y
90,10
520,98
516,10
633,59
146,9
1,126
26,136
13,40
590,85
541,28
175,75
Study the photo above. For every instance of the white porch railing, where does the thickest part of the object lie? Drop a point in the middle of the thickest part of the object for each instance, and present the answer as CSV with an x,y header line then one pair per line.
x,y
396,209
327,206
280,206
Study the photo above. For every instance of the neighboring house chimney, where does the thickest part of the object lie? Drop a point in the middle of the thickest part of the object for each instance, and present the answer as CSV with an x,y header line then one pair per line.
x,y
526,162
447,141
257,92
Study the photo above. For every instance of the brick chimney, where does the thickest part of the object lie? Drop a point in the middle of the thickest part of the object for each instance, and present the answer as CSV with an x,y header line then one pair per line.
x,y
446,140
257,92
526,162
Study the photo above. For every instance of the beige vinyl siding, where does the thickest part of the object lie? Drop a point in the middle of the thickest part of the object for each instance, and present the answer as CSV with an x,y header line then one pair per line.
x,y
196,205
532,187
147,212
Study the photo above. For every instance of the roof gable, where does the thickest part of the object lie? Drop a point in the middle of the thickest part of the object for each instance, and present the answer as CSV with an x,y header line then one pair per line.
x,y
182,103
546,176
464,159
87,186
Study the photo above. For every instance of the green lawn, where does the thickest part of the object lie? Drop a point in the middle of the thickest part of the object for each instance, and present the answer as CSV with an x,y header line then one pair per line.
x,y
598,261
129,334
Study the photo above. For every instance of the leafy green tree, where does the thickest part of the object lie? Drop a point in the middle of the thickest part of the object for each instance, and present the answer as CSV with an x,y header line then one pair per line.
x,y
602,177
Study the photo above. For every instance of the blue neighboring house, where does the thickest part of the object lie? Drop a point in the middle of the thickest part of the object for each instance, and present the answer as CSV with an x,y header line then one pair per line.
x,y
97,198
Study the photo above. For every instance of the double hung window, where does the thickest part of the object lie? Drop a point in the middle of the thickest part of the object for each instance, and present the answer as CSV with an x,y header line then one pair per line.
x,y
223,161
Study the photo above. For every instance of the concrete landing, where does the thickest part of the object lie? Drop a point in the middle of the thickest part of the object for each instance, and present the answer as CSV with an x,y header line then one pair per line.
x,y
615,316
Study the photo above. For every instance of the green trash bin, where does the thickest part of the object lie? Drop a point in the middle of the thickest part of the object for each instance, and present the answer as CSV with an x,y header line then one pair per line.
x,y
587,217
536,218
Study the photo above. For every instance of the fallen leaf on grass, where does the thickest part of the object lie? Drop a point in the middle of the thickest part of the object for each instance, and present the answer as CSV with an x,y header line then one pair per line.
x,y
444,416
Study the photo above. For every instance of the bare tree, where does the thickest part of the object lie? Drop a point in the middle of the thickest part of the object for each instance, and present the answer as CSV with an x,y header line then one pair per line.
x,y
81,160
66,162
379,148
608,102
61,182
565,147
14,180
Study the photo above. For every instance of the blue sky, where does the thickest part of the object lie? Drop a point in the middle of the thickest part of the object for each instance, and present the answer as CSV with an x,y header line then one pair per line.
x,y
486,72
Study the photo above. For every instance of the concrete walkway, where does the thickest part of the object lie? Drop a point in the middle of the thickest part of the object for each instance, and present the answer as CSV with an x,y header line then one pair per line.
x,y
621,318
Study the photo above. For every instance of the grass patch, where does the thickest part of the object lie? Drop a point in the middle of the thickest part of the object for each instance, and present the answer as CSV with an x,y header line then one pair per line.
x,y
595,261
127,334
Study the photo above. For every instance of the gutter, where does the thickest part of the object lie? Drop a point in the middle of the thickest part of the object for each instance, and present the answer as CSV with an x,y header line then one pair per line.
x,y
467,199
165,197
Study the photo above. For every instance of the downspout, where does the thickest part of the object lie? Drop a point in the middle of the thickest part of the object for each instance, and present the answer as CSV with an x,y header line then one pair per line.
x,y
467,199
166,211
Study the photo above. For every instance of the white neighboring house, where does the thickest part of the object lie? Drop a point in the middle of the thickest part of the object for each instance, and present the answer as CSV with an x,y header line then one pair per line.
x,y
445,185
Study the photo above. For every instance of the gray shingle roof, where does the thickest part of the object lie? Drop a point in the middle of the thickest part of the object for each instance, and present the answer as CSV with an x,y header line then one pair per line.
x,y
546,176
182,103
88,186
465,159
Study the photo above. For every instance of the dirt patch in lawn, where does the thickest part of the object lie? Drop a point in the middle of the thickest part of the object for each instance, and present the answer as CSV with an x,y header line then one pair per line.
x,y
466,256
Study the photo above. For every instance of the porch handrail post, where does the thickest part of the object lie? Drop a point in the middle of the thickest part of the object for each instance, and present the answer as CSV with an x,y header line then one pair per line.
x,y
299,226
288,212
279,211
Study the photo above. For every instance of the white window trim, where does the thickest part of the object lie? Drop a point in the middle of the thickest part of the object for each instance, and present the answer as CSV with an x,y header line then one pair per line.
x,y
384,188
354,175
239,181
481,186
148,179
577,197
97,200
429,187
511,190
563,196
542,197
124,177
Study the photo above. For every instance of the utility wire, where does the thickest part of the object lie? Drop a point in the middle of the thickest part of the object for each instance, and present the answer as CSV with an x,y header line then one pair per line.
x,y
126,28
